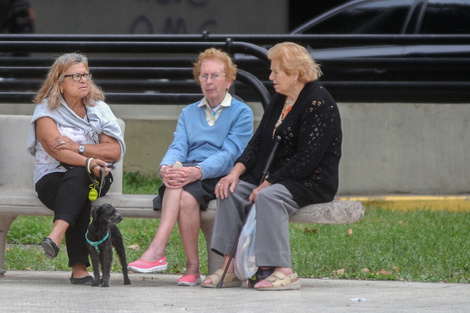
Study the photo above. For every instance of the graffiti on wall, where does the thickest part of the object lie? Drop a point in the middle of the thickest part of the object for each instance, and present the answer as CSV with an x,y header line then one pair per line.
x,y
143,24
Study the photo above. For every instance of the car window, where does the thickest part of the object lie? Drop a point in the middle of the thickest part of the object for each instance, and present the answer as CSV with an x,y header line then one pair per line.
x,y
446,17
373,17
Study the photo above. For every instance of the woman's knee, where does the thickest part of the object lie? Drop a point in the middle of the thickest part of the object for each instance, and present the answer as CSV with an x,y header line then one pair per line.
x,y
269,200
188,204
266,194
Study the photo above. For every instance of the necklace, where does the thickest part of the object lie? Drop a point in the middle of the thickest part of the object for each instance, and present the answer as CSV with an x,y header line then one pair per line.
x,y
288,102
285,110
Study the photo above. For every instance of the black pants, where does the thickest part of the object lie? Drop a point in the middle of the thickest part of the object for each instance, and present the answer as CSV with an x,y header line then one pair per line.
x,y
67,195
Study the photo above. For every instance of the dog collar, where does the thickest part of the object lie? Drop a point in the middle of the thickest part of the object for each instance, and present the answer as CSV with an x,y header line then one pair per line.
x,y
95,244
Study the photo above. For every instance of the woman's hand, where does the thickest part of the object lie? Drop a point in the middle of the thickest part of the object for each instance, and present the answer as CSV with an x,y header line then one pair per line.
x,y
95,170
174,177
255,191
225,183
63,142
229,182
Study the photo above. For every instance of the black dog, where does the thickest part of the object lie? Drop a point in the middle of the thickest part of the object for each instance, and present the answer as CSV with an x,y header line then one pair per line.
x,y
101,236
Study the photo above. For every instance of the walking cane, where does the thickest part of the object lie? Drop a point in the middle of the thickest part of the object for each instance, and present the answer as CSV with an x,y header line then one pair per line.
x,y
277,140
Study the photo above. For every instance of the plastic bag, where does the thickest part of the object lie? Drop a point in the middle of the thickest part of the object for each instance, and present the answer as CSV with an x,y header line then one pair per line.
x,y
244,261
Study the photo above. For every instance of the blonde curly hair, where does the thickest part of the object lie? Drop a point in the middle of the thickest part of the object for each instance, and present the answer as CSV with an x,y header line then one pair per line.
x,y
293,57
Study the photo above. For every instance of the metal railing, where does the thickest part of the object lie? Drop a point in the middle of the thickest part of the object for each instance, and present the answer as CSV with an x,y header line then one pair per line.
x,y
128,71
150,64
256,39
184,91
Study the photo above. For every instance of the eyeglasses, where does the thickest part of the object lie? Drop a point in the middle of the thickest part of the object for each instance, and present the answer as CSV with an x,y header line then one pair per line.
x,y
214,77
78,77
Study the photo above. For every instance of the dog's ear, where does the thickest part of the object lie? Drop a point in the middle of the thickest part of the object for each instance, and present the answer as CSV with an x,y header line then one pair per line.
x,y
93,212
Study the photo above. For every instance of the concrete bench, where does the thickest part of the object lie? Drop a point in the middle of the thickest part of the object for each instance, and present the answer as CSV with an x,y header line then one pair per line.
x,y
17,195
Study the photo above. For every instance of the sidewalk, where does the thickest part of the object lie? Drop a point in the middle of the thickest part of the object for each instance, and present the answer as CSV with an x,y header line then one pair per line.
x,y
35,291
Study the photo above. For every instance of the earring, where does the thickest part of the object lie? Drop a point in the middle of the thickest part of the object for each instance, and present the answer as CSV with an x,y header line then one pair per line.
x,y
61,90
295,81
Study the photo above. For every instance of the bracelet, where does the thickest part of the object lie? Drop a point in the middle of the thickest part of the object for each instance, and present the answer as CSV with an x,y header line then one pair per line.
x,y
87,165
202,173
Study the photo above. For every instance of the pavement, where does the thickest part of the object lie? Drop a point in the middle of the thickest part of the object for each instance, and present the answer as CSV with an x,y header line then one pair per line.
x,y
38,291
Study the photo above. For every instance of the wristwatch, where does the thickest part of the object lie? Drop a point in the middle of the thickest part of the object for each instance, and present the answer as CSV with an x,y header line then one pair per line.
x,y
81,149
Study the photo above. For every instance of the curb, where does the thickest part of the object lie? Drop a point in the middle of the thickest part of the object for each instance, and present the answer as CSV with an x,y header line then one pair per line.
x,y
454,203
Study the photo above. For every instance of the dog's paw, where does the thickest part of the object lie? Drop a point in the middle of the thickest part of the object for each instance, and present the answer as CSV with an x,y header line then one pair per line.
x,y
95,284
127,281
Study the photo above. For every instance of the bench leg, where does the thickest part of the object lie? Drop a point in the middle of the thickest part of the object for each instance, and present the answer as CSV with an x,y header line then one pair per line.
x,y
214,261
5,223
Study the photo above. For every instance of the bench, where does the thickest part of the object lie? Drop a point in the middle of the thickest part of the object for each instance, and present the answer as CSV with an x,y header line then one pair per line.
x,y
17,195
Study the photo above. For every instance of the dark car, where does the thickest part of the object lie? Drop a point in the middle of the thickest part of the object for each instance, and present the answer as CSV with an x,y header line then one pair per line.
x,y
392,50
393,17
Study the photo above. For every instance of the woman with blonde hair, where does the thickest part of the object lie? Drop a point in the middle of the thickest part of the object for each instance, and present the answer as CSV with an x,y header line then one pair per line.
x,y
304,169
74,135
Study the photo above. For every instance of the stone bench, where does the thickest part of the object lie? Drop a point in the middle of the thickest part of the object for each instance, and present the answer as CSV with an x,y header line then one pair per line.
x,y
17,195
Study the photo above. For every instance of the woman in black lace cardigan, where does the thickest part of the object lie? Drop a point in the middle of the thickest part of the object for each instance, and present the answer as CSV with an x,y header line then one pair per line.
x,y
304,170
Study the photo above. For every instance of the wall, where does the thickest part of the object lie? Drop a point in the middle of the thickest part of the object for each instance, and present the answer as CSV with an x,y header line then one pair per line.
x,y
405,148
160,16
388,148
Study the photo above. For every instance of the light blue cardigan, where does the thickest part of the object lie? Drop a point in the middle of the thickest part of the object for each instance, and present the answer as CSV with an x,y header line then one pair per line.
x,y
214,148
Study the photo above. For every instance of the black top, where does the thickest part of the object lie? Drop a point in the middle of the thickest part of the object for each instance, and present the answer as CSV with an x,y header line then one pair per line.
x,y
307,159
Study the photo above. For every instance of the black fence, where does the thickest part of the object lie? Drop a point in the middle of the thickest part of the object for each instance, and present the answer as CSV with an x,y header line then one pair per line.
x,y
129,72
156,69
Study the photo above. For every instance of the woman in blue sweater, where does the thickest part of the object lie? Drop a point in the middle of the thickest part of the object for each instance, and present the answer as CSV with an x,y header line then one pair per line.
x,y
211,134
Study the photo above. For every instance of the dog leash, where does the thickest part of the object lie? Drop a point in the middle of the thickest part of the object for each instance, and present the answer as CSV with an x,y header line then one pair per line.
x,y
94,194
95,244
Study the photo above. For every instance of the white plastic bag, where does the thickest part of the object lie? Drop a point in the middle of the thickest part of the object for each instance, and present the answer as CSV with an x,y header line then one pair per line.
x,y
244,262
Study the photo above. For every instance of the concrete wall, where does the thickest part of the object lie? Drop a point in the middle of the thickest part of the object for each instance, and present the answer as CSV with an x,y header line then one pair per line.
x,y
405,148
388,148
161,16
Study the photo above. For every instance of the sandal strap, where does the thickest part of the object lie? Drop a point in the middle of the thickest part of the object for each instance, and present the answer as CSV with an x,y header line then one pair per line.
x,y
278,279
217,276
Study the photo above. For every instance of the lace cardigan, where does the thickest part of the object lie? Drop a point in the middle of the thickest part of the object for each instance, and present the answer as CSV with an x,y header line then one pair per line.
x,y
307,159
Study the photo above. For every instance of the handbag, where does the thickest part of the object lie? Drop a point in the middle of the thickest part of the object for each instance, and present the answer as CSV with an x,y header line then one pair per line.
x,y
245,259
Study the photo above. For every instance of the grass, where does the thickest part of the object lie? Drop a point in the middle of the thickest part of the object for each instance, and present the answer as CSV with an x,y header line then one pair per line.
x,y
417,245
